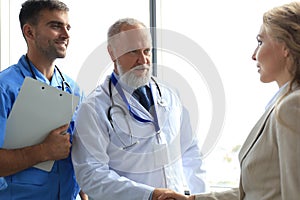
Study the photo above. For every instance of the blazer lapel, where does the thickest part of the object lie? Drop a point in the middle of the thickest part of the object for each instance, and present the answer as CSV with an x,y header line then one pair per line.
x,y
254,134
258,128
250,141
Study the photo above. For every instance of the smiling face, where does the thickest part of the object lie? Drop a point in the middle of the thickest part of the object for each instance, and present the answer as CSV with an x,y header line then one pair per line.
x,y
271,57
49,38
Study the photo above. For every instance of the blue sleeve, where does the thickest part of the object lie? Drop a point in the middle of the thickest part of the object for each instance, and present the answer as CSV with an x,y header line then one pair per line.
x,y
3,183
4,103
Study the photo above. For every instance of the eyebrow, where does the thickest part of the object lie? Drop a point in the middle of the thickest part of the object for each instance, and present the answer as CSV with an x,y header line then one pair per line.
x,y
58,23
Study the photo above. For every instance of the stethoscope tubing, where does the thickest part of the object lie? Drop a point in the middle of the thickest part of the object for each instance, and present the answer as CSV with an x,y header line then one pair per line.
x,y
63,83
114,81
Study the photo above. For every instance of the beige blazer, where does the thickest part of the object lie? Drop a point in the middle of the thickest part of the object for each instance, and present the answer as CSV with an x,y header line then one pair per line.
x,y
270,156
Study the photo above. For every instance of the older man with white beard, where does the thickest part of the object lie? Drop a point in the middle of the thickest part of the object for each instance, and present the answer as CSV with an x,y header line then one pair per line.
x,y
133,137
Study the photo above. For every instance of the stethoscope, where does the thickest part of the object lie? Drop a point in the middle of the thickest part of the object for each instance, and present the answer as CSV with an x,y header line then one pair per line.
x,y
113,80
63,82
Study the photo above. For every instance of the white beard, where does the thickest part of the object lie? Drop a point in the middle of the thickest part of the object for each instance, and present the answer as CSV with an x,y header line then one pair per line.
x,y
131,79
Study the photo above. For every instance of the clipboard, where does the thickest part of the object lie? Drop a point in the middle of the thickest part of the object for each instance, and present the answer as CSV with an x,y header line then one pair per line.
x,y
38,109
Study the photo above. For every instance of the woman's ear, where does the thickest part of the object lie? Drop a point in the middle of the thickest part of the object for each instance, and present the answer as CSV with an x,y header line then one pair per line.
x,y
286,51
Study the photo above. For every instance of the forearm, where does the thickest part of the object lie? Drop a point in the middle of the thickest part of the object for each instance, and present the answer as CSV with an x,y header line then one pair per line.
x,y
97,180
15,160
194,169
56,146
195,173
232,194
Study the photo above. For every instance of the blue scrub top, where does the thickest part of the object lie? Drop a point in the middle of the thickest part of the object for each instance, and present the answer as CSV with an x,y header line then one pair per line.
x,y
33,183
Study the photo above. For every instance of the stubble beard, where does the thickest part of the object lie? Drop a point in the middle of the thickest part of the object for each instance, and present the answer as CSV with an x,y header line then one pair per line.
x,y
51,51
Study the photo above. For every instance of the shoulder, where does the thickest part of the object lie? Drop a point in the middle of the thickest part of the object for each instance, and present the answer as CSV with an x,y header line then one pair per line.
x,y
288,109
98,99
290,103
171,97
10,74
70,81
76,90
168,91
11,79
14,75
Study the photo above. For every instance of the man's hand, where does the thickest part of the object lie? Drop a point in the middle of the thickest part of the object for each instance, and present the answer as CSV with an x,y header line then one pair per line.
x,y
83,196
158,192
57,144
166,194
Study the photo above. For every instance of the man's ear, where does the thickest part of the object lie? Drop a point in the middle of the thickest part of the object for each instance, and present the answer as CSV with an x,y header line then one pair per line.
x,y
28,31
111,53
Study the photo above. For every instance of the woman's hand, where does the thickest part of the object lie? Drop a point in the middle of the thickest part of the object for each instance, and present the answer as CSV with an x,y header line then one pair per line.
x,y
169,194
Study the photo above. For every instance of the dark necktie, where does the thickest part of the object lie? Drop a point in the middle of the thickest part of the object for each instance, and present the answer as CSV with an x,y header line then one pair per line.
x,y
141,95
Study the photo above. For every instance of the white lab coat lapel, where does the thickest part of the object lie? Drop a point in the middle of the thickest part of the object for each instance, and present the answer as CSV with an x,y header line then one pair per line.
x,y
162,111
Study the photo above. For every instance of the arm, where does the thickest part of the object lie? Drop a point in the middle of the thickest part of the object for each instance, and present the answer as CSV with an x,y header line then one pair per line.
x,y
55,147
226,195
191,156
288,141
91,161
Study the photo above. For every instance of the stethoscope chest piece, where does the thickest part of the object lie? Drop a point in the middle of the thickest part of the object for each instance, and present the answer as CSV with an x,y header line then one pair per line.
x,y
162,102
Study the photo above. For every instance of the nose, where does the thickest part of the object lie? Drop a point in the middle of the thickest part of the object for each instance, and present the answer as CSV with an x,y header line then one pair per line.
x,y
143,58
65,32
254,54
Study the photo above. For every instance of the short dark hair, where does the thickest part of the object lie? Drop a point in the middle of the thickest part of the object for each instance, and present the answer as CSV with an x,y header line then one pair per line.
x,y
31,9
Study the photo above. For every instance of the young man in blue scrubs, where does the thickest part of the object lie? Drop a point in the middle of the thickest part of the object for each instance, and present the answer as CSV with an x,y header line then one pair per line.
x,y
45,27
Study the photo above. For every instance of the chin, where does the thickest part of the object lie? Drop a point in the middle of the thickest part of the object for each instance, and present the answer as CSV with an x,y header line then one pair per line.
x,y
263,80
61,55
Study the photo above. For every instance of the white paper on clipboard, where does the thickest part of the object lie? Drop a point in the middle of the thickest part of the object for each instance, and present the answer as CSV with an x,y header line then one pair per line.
x,y
38,109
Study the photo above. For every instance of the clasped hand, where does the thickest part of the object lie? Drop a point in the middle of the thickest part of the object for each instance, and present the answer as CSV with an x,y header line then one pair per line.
x,y
167,194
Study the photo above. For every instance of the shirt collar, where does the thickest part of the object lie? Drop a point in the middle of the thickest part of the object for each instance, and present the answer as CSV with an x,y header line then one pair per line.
x,y
56,80
277,94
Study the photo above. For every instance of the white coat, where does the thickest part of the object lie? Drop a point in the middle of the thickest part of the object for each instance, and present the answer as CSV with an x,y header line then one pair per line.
x,y
170,159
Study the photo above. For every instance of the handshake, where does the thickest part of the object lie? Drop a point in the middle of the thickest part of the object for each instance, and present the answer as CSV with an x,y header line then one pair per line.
x,y
167,194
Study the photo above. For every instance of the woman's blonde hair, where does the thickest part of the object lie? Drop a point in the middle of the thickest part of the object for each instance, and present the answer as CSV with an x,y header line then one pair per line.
x,y
283,24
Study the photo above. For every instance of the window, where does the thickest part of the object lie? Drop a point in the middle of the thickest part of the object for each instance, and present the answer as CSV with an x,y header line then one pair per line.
x,y
226,31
